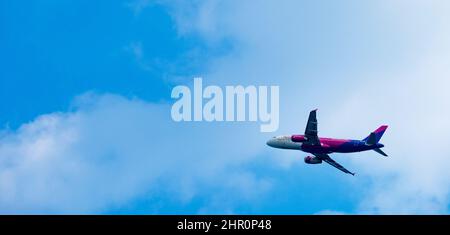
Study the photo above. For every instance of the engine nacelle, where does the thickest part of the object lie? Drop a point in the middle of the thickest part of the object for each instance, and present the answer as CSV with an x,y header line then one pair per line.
x,y
312,160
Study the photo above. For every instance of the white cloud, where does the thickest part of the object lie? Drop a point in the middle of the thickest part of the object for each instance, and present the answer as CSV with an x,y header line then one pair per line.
x,y
371,64
110,150
415,178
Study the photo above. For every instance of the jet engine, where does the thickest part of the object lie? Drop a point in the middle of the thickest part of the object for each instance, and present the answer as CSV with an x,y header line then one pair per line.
x,y
312,160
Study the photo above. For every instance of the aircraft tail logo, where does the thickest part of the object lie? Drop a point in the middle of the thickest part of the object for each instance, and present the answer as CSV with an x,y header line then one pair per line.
x,y
375,137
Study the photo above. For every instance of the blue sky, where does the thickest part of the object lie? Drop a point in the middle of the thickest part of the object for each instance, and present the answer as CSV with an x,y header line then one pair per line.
x,y
85,112
58,49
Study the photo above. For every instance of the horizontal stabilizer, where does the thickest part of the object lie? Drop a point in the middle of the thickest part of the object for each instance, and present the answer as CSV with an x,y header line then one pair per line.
x,y
380,152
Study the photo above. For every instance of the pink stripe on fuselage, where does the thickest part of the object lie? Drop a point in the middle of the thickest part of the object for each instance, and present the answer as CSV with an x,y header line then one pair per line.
x,y
298,138
328,142
333,143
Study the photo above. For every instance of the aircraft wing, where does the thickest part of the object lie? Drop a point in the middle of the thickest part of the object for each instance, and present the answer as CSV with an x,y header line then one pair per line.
x,y
330,161
311,129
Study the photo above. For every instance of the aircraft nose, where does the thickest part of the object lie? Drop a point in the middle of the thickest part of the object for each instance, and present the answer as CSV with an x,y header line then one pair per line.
x,y
271,142
380,145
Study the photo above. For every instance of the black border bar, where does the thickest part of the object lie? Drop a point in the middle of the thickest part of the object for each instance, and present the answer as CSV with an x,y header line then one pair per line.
x,y
145,224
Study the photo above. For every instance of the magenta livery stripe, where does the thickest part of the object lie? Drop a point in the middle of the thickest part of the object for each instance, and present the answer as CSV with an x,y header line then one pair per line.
x,y
333,143
329,142
298,138
381,129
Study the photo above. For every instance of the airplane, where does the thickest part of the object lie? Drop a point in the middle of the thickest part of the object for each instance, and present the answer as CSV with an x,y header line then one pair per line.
x,y
322,147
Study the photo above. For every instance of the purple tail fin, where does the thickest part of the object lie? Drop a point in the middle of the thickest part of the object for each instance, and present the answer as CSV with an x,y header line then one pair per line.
x,y
376,135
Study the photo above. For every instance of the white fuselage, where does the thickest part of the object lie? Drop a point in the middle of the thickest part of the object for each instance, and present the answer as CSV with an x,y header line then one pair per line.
x,y
284,142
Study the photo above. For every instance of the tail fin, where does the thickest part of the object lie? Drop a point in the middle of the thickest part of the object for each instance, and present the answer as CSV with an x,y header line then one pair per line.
x,y
376,135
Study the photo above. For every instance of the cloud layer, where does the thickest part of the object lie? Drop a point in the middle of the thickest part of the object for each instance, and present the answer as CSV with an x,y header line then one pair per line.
x,y
375,63
110,150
